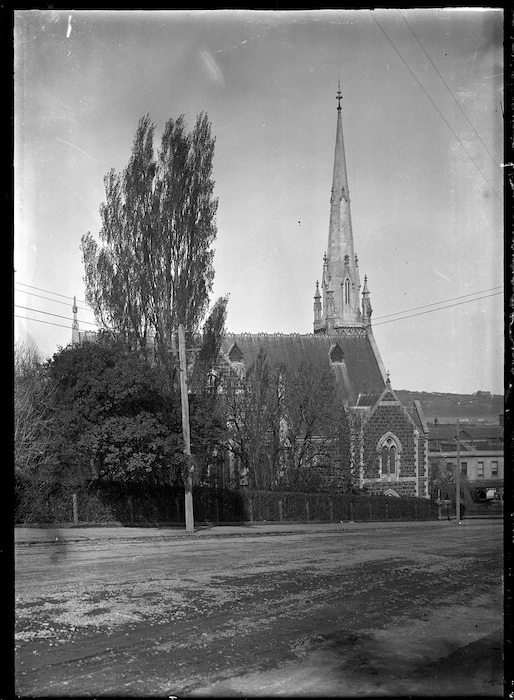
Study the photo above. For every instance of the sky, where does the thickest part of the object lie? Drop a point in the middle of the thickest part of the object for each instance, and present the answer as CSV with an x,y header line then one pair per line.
x,y
423,131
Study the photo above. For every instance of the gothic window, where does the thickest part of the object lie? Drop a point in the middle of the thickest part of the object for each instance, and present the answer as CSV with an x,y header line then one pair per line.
x,y
389,449
347,291
389,459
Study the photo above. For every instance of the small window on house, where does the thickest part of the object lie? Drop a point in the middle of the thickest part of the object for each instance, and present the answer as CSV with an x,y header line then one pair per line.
x,y
464,468
494,468
480,469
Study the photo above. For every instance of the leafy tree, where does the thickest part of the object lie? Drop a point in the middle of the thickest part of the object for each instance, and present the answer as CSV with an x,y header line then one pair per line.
x,y
203,373
153,269
112,420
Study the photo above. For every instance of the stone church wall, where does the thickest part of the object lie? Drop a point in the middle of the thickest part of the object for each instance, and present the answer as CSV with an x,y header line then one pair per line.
x,y
390,417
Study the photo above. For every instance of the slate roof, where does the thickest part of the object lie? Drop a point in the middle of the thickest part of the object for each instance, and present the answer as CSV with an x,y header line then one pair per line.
x,y
358,372
475,432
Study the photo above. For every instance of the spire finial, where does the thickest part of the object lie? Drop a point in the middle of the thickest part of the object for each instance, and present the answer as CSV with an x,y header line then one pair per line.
x,y
388,380
339,96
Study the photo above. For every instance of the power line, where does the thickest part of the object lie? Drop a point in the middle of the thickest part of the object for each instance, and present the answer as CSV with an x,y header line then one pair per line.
x,y
59,325
436,303
55,301
40,320
49,292
47,313
448,88
391,320
434,105
442,308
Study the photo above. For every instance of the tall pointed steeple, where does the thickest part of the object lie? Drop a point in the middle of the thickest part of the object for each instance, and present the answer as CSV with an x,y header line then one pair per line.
x,y
340,263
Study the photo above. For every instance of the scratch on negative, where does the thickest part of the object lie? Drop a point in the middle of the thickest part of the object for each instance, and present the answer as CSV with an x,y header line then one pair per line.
x,y
78,149
441,275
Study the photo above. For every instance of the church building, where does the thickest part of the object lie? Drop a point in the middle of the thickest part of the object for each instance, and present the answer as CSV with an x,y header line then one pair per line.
x,y
389,443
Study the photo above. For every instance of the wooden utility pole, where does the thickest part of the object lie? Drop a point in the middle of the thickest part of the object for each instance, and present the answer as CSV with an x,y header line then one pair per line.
x,y
457,477
188,477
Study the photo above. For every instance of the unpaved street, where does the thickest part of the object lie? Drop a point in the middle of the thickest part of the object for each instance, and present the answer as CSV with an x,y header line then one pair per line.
x,y
375,611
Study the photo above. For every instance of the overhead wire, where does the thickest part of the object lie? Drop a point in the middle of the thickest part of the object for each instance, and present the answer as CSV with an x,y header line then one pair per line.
x,y
436,303
442,308
449,90
40,320
399,314
39,289
435,106
48,313
55,301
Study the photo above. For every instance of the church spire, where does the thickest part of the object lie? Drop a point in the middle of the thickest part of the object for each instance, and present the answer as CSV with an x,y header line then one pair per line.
x,y
340,265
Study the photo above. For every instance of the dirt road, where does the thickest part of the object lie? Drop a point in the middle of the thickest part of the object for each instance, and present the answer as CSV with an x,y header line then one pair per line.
x,y
389,611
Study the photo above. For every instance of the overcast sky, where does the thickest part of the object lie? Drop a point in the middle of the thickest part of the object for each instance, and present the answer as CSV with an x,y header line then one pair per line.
x,y
423,130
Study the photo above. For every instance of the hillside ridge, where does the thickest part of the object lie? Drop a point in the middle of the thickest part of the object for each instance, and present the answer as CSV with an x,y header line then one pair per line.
x,y
480,406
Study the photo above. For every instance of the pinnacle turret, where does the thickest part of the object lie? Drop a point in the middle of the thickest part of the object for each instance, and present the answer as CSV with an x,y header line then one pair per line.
x,y
75,333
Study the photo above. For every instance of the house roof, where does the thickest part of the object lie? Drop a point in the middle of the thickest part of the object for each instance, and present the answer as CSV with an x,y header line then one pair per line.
x,y
474,432
358,370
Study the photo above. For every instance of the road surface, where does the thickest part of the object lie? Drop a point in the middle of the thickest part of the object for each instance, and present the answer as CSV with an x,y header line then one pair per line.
x,y
368,611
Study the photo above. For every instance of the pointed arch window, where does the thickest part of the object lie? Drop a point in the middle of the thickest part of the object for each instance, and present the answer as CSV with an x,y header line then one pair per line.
x,y
389,453
346,291
389,449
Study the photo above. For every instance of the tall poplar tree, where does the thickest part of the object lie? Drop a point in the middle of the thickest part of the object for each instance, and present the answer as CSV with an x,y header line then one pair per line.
x,y
153,268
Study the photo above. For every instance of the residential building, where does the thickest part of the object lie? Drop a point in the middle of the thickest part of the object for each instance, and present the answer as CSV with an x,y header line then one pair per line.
x,y
481,455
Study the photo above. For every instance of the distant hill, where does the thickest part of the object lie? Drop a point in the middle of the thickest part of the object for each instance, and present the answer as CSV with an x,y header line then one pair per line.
x,y
481,406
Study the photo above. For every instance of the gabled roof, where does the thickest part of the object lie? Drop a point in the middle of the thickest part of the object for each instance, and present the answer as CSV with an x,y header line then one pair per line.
x,y
357,371
371,400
